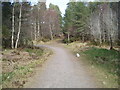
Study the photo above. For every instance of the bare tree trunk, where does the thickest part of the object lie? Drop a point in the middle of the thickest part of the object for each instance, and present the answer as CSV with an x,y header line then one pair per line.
x,y
111,44
13,26
35,31
41,32
100,39
19,29
38,32
32,38
31,35
68,36
100,32
83,37
51,33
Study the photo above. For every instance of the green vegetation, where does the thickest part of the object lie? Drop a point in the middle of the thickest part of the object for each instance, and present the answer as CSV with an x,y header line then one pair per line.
x,y
90,22
94,22
38,52
103,63
20,72
23,23
106,58
72,39
107,62
24,69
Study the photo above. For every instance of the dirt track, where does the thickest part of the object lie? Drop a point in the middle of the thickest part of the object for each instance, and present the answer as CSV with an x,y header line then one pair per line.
x,y
62,70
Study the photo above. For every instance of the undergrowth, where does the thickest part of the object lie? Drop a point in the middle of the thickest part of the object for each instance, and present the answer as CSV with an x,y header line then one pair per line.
x,y
106,60
17,77
38,52
103,63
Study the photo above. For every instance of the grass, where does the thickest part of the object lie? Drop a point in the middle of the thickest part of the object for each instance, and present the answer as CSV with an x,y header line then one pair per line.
x,y
106,58
106,63
103,63
38,52
20,73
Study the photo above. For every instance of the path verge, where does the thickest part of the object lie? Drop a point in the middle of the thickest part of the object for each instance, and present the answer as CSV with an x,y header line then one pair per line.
x,y
102,62
19,65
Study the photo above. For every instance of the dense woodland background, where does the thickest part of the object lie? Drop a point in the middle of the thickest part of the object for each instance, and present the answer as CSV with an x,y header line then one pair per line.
x,y
95,22
23,23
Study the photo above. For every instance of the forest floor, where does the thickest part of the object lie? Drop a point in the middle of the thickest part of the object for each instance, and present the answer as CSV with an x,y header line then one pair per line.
x,y
62,69
20,64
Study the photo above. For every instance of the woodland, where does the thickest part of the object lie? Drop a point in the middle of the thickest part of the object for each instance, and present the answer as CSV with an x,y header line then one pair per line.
x,y
94,23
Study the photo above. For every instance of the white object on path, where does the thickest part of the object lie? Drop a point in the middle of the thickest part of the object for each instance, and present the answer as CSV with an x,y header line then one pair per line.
x,y
78,55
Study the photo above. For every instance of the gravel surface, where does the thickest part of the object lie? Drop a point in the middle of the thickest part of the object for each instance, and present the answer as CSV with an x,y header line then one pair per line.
x,y
62,70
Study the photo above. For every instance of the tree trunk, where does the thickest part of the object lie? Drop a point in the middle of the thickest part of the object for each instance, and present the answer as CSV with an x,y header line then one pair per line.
x,y
51,33
13,26
99,25
111,44
68,37
100,38
38,32
41,34
83,38
19,29
31,35
35,31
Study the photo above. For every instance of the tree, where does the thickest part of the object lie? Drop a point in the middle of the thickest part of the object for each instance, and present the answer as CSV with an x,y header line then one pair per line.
x,y
94,21
25,37
50,19
41,6
58,18
68,19
6,24
13,26
81,19
19,29
56,8
75,20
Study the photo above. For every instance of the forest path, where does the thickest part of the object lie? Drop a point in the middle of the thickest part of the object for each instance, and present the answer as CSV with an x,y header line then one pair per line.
x,y
62,70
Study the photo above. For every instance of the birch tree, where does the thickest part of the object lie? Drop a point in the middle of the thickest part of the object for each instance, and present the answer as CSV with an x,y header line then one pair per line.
x,y
38,23
19,28
13,26
35,31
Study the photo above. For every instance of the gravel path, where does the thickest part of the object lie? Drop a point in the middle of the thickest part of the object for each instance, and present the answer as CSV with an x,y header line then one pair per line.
x,y
62,70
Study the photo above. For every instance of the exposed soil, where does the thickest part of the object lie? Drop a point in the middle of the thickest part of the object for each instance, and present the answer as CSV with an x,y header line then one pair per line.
x,y
19,65
12,59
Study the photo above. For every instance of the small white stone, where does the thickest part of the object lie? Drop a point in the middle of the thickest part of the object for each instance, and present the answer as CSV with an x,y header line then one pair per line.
x,y
8,77
78,55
